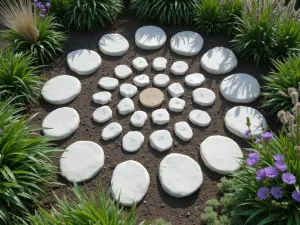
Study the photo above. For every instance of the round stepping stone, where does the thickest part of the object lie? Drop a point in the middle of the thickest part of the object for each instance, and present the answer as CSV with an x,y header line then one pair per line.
x,y
132,141
240,88
102,114
125,106
221,154
83,61
176,90
199,117
128,90
180,175
122,71
194,79
141,80
236,119
179,68
61,89
139,63
161,140
108,83
151,97
102,97
183,131
160,116
150,37
161,80
113,44
111,131
138,118
219,60
81,161
61,123
160,63
176,104
129,183
204,96
186,43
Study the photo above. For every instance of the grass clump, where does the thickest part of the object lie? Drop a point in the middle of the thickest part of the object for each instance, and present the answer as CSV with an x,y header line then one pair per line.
x,y
59,8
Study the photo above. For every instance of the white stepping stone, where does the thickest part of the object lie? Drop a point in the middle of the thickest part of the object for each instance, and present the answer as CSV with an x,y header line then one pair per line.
x,y
219,60
161,80
61,123
186,43
240,88
150,37
179,68
141,80
199,117
180,175
138,118
160,116
122,71
83,61
108,83
221,154
161,140
176,90
176,104
194,79
160,63
236,118
133,141
204,96
113,44
102,114
81,161
129,183
61,89
140,63
125,106
111,131
128,90
102,97
183,131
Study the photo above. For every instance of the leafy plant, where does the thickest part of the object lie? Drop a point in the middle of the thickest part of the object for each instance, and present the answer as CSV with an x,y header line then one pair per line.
x,y
59,8
232,10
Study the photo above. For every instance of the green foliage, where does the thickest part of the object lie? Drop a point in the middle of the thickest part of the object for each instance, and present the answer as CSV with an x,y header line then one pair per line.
x,y
210,217
213,203
60,8
160,221
232,10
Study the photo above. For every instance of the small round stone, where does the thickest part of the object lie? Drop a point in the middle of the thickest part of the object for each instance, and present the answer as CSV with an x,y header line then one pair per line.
x,y
138,118
102,97
176,104
161,80
133,141
150,37
111,131
161,140
194,79
160,63
141,80
204,96
108,83
128,90
113,44
176,90
183,131
140,63
102,114
151,97
179,68
160,116
123,71
199,117
125,106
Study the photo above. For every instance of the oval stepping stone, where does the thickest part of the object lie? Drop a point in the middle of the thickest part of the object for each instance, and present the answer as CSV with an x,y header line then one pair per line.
x,y
179,68
240,88
125,106
132,141
122,71
160,63
176,90
161,80
199,117
113,44
139,63
186,43
81,161
183,131
111,131
236,118
102,97
102,114
176,104
150,37
61,123
130,182
151,97
221,154
161,140
160,116
204,96
108,83
138,118
141,80
83,61
128,90
180,175
61,89
219,60
194,79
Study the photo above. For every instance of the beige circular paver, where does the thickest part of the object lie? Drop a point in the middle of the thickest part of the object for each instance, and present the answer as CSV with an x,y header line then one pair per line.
x,y
151,97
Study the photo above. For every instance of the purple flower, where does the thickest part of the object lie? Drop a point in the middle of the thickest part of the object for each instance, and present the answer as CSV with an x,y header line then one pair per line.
x,y
48,4
35,1
43,10
253,159
280,165
278,157
276,192
288,178
42,15
262,193
267,136
296,195
247,133
258,140
260,174
271,172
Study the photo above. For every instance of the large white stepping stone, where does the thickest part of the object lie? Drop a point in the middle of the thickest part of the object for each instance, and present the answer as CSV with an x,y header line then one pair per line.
x,y
122,71
140,63
150,37
240,88
125,106
199,117
61,89
161,140
81,161
221,154
130,182
180,175
176,104
219,60
138,118
179,68
194,79
186,43
111,131
108,83
83,61
113,44
176,90
161,80
160,116
102,114
204,96
128,90
61,123
141,80
133,141
102,97
159,63
183,131
236,119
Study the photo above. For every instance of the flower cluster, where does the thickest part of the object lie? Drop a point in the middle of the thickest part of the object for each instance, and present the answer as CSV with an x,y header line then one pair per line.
x,y
42,8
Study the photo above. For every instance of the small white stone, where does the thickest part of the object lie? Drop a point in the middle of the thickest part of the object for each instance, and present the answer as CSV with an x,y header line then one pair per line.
x,y
161,140
102,114
160,116
113,44
179,68
194,79
204,96
176,104
160,63
199,117
150,37
133,141
138,118
183,131
125,106
108,83
161,80
111,131
102,97
140,63
122,71
141,80
176,90
128,90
